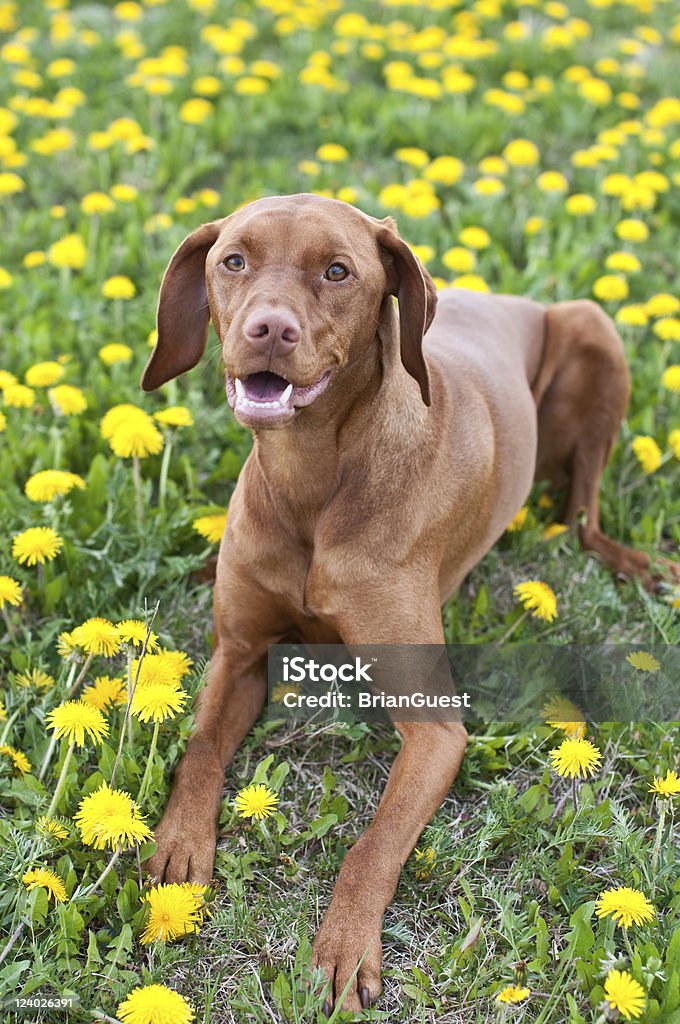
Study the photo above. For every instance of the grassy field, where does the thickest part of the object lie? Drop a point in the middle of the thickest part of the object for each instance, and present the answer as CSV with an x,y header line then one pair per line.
x,y
525,147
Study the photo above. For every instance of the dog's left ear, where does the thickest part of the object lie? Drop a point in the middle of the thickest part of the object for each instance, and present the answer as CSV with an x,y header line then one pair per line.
x,y
417,297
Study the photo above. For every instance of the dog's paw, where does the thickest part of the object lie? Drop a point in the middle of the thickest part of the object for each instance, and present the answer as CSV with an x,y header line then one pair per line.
x,y
347,949
185,851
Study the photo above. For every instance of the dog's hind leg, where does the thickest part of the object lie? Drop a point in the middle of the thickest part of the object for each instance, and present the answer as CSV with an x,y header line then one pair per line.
x,y
582,394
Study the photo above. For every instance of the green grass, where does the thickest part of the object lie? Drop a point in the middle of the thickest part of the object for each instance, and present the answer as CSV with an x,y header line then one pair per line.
x,y
516,871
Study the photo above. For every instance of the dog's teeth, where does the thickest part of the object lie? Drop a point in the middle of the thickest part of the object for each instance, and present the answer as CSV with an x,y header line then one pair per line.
x,y
283,400
240,389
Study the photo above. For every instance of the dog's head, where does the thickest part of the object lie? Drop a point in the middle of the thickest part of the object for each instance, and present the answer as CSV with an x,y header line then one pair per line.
x,y
294,286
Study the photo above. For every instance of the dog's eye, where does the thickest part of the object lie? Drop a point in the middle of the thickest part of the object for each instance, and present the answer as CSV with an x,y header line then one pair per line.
x,y
235,262
336,272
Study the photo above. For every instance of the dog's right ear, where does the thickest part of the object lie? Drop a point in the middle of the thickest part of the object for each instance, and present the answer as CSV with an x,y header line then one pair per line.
x,y
183,314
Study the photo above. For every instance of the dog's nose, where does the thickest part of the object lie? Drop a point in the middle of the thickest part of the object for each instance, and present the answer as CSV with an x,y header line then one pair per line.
x,y
275,330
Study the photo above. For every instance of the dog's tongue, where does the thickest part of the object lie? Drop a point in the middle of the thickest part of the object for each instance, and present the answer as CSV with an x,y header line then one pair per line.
x,y
264,386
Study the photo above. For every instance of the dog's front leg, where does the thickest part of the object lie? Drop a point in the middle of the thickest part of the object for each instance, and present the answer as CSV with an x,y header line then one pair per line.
x,y
227,707
421,775
348,947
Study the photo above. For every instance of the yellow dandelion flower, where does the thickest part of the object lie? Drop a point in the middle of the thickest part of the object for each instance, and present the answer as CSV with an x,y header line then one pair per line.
x,y
554,530
155,1004
580,204
425,861
662,304
7,379
133,632
632,230
674,443
521,153
539,598
136,437
195,110
51,828
445,170
667,328
118,287
518,520
110,817
77,721
256,802
175,661
281,690
10,591
173,910
67,400
45,879
331,152
36,678
98,636
643,661
513,994
154,670
115,353
634,315
667,786
475,238
95,203
44,375
174,416
647,452
610,288
67,644
670,378
37,544
211,527
20,762
625,994
627,906
105,692
49,484
119,415
68,252
561,713
575,757
18,396
157,701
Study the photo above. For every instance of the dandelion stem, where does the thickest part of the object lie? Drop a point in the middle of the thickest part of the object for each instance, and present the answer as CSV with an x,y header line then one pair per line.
x,y
626,939
149,764
10,627
8,724
12,939
81,674
70,686
56,437
109,867
574,793
60,781
515,625
137,480
131,690
165,466
659,835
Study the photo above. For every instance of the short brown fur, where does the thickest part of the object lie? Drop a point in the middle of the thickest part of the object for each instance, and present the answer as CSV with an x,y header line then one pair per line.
x,y
359,517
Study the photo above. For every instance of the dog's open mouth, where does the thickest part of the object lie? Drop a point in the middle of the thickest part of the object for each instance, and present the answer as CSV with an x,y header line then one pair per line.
x,y
265,398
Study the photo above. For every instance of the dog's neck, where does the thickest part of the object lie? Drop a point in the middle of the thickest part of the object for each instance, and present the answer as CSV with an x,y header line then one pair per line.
x,y
301,464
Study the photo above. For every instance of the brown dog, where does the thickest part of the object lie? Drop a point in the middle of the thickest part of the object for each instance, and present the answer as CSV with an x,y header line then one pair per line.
x,y
382,471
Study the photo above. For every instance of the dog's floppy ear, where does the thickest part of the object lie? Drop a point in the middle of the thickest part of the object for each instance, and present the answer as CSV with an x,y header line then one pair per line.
x,y
417,297
183,314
